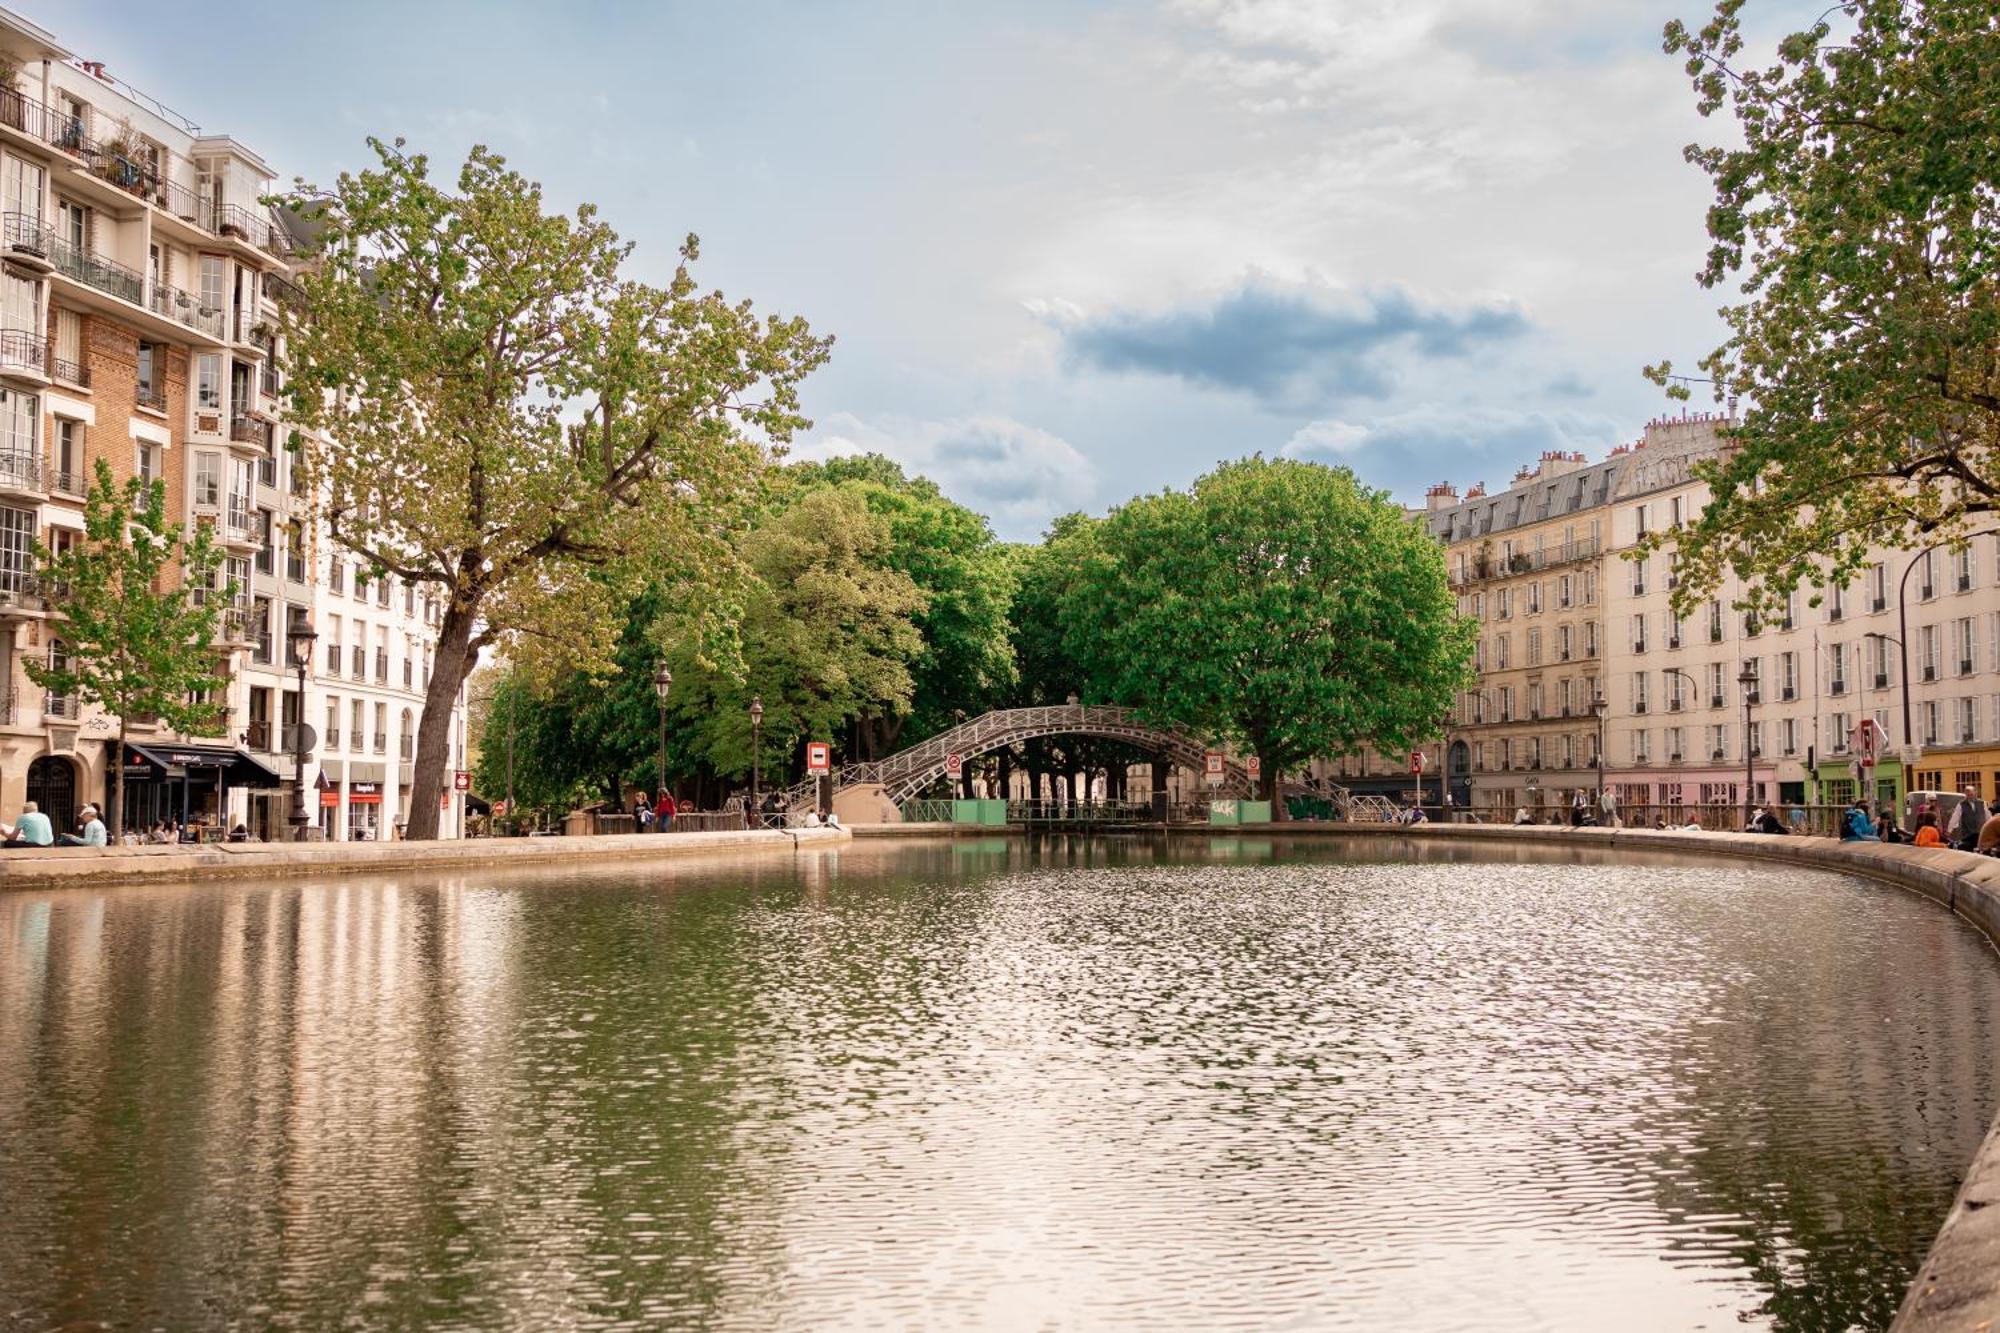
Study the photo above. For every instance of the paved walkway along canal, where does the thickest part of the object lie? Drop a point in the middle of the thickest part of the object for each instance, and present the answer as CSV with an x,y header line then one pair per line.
x,y
1241,1082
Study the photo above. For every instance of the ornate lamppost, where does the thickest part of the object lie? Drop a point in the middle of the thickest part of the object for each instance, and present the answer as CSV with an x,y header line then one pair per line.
x,y
663,681
756,759
1598,708
1747,679
299,639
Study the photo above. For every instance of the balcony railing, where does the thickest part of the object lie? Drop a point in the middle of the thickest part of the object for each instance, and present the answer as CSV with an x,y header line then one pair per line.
x,y
257,735
267,381
239,523
59,705
58,129
381,743
360,662
382,666
249,430
407,748
20,471
107,276
17,583
67,371
150,395
185,308
63,482
235,220
333,738
333,656
23,353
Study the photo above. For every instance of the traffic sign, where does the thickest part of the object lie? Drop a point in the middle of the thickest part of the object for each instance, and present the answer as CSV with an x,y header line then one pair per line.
x,y
1416,761
819,757
1212,767
954,764
1253,767
461,781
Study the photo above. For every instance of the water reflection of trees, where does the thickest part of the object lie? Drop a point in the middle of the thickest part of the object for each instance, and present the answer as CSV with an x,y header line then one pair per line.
x,y
1883,1036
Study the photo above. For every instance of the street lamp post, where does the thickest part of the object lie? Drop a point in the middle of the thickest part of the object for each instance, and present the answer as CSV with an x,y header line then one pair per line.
x,y
1598,708
1676,671
663,681
299,639
1748,680
756,757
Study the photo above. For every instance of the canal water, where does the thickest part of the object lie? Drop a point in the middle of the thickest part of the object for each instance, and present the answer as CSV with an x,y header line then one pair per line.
x,y
1068,1084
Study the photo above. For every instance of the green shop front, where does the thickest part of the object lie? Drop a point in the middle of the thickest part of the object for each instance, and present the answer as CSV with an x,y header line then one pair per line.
x,y
1837,781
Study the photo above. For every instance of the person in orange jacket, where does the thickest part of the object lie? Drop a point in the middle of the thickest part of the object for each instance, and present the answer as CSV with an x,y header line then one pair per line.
x,y
1927,832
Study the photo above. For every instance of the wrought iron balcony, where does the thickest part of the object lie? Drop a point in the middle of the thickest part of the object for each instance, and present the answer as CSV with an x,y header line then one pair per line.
x,y
24,353
185,308
249,430
58,129
20,471
150,395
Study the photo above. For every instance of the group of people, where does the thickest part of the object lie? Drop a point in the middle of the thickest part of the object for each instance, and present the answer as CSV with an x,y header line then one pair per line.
x,y
651,816
1585,811
33,829
1970,827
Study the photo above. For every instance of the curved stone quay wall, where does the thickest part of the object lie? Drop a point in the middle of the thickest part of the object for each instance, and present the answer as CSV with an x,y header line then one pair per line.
x,y
1958,1286
279,860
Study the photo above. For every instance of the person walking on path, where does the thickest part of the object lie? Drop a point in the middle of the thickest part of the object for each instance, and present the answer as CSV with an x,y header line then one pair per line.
x,y
1967,820
1578,804
664,812
1607,802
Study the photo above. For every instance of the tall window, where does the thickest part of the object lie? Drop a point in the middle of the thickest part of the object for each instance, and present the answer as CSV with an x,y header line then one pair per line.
x,y
146,460
68,457
20,417
214,282
208,479
24,189
208,381
17,544
20,303
152,377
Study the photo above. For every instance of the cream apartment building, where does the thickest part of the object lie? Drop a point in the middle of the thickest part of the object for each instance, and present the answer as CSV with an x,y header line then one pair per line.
x,y
141,278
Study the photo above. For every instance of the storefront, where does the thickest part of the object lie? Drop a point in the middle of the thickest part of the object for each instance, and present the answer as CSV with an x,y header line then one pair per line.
x,y
364,811
188,784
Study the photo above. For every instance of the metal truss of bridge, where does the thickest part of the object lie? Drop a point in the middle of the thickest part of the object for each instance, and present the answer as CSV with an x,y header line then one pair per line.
x,y
907,772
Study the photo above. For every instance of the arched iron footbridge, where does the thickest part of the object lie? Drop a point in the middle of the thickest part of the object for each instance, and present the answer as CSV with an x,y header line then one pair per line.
x,y
907,772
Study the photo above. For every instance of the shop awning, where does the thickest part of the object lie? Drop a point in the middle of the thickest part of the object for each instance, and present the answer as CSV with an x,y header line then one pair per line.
x,y
174,759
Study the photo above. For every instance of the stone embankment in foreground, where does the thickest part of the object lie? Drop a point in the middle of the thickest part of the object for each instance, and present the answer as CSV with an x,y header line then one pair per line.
x,y
240,860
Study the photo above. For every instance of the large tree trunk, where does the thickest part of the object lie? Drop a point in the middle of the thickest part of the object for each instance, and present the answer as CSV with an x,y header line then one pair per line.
x,y
117,812
448,672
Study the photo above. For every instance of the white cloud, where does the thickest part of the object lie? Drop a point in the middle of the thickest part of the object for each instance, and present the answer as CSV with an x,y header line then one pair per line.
x,y
1017,475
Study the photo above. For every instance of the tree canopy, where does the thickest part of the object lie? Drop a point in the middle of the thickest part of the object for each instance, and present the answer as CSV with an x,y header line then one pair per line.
x,y
1277,604
520,425
135,643
1860,214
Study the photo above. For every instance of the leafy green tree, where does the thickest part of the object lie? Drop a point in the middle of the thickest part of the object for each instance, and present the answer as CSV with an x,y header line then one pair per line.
x,y
138,641
828,635
1046,576
1860,213
1277,604
519,424
966,577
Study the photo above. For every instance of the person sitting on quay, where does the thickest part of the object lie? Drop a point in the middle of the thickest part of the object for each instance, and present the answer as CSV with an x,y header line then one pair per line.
x,y
1766,822
33,829
93,830
1855,826
1521,815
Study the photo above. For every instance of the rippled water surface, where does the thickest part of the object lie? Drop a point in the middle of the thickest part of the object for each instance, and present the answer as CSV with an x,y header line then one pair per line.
x,y
1073,1085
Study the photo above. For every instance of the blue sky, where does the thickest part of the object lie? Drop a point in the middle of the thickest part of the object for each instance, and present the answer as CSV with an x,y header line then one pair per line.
x,y
1070,252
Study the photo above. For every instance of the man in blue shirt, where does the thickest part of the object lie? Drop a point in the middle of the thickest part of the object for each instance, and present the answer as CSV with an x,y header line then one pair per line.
x,y
93,830
32,831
